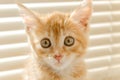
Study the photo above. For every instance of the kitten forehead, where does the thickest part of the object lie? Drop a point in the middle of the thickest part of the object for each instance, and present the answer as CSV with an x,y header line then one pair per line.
x,y
56,21
56,24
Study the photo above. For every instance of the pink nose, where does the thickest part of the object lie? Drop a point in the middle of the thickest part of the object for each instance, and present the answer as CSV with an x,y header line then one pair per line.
x,y
58,57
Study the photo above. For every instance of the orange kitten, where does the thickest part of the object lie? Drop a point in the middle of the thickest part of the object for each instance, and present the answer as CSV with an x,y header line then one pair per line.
x,y
58,43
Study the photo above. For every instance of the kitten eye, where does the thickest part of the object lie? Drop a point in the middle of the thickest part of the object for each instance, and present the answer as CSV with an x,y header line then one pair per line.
x,y
45,43
69,41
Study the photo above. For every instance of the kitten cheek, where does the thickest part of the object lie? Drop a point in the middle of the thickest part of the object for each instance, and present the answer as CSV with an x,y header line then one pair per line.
x,y
38,46
49,60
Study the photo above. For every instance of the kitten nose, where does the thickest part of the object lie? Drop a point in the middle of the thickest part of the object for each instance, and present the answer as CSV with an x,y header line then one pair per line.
x,y
58,57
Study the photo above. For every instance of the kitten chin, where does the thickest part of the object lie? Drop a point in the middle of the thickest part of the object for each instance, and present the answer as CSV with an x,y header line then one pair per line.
x,y
59,42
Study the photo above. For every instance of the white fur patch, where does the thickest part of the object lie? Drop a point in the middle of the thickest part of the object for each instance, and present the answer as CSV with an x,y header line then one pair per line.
x,y
38,46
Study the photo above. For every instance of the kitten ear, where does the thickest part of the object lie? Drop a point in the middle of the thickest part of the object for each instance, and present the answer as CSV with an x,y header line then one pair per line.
x,y
28,16
83,13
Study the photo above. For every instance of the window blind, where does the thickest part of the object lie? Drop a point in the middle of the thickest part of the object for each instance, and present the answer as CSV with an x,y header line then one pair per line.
x,y
103,55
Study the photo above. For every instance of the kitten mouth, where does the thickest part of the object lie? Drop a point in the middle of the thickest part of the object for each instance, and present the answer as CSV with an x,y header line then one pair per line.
x,y
58,64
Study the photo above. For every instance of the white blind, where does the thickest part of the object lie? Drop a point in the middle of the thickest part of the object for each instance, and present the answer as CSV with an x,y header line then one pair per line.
x,y
103,55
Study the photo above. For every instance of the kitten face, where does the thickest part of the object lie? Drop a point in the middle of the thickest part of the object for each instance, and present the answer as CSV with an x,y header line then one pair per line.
x,y
58,39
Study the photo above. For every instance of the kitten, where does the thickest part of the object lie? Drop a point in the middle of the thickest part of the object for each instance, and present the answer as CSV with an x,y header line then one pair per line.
x,y
58,41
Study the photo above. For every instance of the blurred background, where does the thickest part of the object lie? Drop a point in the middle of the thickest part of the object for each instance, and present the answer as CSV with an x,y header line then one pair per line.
x,y
103,55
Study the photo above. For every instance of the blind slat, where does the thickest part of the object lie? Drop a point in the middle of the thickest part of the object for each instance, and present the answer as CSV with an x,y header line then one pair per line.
x,y
12,37
12,63
115,5
13,75
14,50
33,1
11,10
10,26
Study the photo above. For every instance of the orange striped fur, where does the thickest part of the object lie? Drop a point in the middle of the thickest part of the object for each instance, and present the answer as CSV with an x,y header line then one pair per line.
x,y
42,63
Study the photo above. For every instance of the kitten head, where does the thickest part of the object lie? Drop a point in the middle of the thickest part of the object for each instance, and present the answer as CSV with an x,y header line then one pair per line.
x,y
58,39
